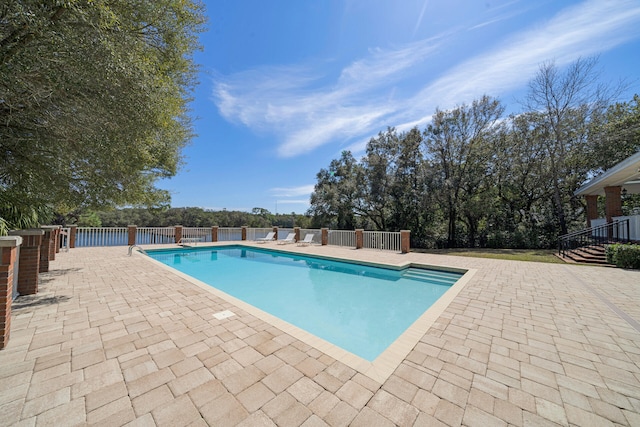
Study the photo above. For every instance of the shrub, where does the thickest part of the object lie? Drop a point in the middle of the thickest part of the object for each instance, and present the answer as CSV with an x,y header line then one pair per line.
x,y
624,256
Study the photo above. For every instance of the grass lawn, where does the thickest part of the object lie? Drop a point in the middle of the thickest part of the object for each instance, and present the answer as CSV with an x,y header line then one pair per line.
x,y
539,255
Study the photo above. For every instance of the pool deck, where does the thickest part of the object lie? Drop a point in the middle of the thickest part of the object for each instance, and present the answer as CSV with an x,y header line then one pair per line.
x,y
115,340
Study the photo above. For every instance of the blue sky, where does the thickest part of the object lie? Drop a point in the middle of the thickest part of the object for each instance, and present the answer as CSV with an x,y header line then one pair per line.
x,y
285,86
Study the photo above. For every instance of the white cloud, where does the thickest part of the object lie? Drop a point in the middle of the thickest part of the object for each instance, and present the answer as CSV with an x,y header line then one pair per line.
x,y
303,190
306,112
294,202
583,30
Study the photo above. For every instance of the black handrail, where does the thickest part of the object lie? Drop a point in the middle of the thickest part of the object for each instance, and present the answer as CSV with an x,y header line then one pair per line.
x,y
614,232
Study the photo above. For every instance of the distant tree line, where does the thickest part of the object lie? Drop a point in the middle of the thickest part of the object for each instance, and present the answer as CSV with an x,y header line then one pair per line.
x,y
474,177
187,217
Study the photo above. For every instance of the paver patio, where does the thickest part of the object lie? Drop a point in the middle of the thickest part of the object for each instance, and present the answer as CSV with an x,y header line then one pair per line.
x,y
115,340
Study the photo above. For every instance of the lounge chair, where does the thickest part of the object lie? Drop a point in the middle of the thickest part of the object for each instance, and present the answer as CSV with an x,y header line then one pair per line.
x,y
268,238
308,239
291,238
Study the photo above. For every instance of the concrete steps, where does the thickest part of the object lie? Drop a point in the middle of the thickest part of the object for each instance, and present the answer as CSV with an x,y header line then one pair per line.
x,y
594,254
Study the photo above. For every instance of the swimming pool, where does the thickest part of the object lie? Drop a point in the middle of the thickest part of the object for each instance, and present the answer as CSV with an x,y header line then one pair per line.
x,y
360,308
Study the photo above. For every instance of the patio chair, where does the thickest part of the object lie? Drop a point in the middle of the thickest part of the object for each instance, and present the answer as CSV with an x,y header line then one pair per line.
x,y
308,239
291,238
268,238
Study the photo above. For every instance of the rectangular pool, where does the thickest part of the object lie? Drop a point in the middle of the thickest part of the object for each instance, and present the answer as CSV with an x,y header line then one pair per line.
x,y
360,308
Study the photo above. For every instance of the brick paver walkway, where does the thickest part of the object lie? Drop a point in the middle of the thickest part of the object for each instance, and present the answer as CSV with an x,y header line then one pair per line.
x,y
114,340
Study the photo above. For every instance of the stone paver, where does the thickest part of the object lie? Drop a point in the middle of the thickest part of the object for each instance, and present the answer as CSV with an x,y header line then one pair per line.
x,y
116,340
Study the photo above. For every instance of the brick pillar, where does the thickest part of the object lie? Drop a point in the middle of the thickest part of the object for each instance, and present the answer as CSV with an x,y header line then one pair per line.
x,y
58,237
214,233
359,238
132,230
324,236
73,230
52,240
405,241
592,208
296,230
613,206
178,233
8,259
29,260
244,232
275,230
45,249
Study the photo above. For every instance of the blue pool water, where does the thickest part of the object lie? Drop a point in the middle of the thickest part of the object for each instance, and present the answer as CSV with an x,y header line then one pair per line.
x,y
361,309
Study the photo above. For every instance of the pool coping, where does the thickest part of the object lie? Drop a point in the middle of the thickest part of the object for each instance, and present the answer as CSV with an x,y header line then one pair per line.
x,y
386,363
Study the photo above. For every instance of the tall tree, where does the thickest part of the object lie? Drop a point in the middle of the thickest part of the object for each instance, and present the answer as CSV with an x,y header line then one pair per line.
x,y
378,165
619,135
521,179
571,105
458,146
93,101
408,186
335,198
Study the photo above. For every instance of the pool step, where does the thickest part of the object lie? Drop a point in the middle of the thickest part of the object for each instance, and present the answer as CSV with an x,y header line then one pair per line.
x,y
431,276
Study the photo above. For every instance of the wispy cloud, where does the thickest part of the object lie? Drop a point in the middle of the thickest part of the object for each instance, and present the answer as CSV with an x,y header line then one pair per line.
x,y
308,107
587,29
288,101
303,190
294,202
420,17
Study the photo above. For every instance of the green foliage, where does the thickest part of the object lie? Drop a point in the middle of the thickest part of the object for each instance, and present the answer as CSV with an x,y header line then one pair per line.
x,y
460,147
624,255
89,219
476,178
188,217
93,100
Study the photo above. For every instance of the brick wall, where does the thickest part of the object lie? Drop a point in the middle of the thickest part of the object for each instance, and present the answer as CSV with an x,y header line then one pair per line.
x,y
45,250
29,260
8,256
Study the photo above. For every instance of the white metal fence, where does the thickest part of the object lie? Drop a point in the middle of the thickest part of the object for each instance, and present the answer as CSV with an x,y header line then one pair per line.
x,y
284,232
229,234
342,238
382,240
257,233
155,235
118,236
101,236
317,234
196,234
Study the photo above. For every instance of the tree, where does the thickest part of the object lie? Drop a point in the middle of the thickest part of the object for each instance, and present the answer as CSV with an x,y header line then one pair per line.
x,y
408,189
335,198
93,102
571,108
619,135
378,167
459,147
521,178
89,219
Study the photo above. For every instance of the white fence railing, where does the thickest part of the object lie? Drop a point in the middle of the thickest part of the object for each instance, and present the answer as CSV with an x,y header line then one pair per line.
x,y
383,240
317,234
342,238
229,234
119,236
101,236
196,234
257,233
155,235
284,232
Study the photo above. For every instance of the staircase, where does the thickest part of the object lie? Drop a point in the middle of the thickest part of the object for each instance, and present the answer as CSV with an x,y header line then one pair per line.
x,y
594,254
588,246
